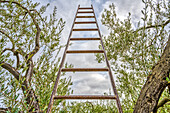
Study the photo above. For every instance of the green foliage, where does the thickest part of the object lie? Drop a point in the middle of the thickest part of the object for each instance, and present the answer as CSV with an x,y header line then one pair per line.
x,y
46,73
18,35
134,50
101,106
166,107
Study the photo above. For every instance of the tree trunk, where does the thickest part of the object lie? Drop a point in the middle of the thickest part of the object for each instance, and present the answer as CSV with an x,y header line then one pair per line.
x,y
155,84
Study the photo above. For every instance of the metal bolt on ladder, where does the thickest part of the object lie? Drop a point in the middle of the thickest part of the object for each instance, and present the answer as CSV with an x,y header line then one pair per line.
x,y
53,95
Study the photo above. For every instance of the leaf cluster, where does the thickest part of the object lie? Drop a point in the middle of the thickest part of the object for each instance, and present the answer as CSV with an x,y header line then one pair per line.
x,y
134,48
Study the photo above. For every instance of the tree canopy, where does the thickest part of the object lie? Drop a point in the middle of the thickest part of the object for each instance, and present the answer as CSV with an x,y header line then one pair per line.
x,y
135,48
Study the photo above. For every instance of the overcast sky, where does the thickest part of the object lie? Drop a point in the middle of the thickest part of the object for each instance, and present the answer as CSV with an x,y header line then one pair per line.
x,y
89,82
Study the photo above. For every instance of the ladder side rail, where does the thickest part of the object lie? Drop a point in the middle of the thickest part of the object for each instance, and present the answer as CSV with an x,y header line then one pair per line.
x,y
60,68
110,72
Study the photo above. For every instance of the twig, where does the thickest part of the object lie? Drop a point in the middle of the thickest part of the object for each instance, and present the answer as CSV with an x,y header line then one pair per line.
x,y
5,50
10,38
15,100
18,61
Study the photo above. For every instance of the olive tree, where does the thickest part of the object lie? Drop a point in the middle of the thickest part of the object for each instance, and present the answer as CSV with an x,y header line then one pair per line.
x,y
29,48
139,54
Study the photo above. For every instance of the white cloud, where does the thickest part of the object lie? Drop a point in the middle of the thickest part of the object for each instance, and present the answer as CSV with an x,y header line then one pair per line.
x,y
90,83
98,1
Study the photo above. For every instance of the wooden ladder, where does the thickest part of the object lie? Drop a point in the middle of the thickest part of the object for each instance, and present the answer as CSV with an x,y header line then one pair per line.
x,y
61,69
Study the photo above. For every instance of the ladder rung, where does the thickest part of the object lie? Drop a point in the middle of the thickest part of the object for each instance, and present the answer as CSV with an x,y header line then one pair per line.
x,y
90,22
85,29
77,39
85,12
84,69
85,97
85,17
85,7
85,51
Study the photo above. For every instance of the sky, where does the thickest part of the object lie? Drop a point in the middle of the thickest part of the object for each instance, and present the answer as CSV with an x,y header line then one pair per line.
x,y
89,82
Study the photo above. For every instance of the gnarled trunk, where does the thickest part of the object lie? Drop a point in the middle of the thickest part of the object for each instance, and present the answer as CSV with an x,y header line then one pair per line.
x,y
155,84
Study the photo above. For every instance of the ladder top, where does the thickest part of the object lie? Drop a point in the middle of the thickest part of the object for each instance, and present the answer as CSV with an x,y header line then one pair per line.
x,y
84,69
85,7
89,29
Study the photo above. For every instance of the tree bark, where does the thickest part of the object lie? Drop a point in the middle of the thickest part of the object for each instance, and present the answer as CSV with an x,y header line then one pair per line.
x,y
155,84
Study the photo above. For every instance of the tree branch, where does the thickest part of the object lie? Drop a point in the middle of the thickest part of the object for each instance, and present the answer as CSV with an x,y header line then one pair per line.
x,y
29,71
18,61
5,50
35,50
11,69
38,15
21,52
4,110
152,26
15,53
163,102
